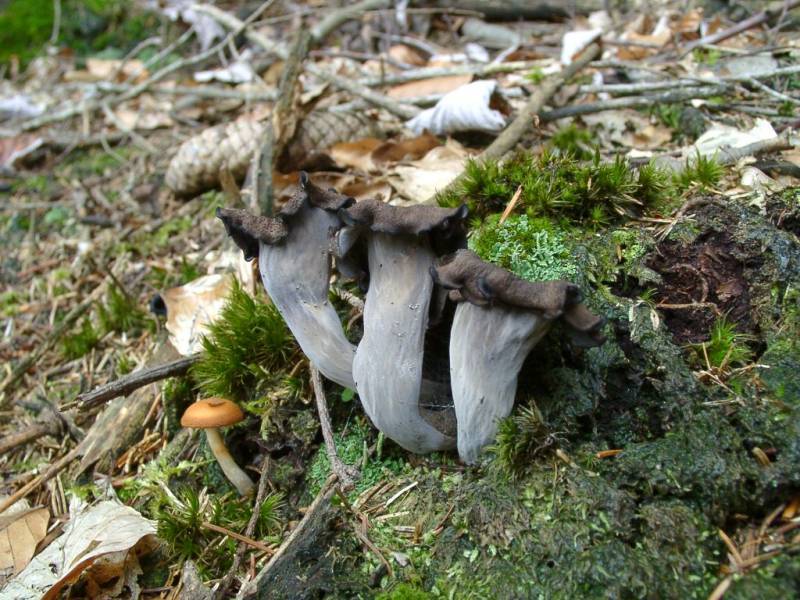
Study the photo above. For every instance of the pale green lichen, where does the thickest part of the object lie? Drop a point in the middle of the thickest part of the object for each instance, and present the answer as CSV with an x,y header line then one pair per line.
x,y
530,248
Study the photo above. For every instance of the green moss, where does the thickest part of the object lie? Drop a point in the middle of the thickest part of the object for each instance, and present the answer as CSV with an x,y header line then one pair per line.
x,y
701,173
404,591
558,186
245,348
531,248
573,141
81,342
520,439
120,313
352,449
726,347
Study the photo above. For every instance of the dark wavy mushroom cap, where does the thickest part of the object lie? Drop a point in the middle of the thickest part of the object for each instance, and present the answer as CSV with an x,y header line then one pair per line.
x,y
293,251
499,319
307,192
401,243
247,230
481,283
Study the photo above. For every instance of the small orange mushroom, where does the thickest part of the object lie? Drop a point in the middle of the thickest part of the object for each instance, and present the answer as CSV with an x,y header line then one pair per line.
x,y
209,414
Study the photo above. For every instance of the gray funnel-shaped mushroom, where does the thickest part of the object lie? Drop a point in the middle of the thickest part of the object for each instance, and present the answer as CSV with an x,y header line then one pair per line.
x,y
499,319
295,264
389,359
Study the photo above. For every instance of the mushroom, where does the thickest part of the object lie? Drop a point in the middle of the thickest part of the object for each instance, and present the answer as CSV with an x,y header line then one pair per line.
x,y
388,363
209,414
295,263
499,319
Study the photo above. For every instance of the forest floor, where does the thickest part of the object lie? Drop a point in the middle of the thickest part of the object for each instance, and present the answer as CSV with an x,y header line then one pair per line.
x,y
657,167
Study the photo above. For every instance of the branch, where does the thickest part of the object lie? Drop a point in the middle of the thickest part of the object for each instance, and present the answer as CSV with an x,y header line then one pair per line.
x,y
125,385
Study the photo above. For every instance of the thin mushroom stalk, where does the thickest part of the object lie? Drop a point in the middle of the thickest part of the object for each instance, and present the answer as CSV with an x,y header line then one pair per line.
x,y
389,360
293,252
240,480
498,321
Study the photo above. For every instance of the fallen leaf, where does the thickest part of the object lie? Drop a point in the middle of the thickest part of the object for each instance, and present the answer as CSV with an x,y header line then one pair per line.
x,y
408,55
192,307
407,149
724,135
100,543
14,149
428,87
356,154
465,109
375,188
628,128
423,178
19,534
19,106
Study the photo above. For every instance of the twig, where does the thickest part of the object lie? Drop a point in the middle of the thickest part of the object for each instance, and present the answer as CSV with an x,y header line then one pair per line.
x,y
630,102
125,385
237,536
729,156
754,21
82,107
51,472
525,119
319,511
430,72
341,15
774,93
34,432
282,125
402,110
345,473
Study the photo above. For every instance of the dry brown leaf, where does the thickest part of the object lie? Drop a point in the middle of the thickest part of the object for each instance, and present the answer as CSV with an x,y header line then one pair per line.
x,y
19,535
408,55
421,179
427,87
102,69
356,154
688,24
12,149
192,307
408,149
628,128
375,188
100,543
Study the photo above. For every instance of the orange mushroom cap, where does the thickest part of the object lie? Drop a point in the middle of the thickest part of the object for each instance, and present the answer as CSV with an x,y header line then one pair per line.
x,y
212,412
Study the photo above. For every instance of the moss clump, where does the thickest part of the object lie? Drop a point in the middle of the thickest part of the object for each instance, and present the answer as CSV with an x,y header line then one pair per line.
x,y
702,173
244,348
81,342
520,438
531,248
558,186
573,141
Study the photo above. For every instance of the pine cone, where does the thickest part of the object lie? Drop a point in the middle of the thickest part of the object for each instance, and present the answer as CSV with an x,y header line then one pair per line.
x,y
196,166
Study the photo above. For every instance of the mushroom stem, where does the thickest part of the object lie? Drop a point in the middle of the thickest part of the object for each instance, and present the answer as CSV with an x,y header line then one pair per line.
x,y
235,475
388,362
487,349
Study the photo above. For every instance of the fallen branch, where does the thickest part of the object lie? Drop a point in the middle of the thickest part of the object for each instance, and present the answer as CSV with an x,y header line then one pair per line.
x,y
125,385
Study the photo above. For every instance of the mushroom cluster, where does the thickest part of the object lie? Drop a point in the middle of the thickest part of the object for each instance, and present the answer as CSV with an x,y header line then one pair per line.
x,y
411,261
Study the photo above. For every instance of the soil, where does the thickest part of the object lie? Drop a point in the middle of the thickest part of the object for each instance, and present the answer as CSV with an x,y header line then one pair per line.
x,y
701,282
